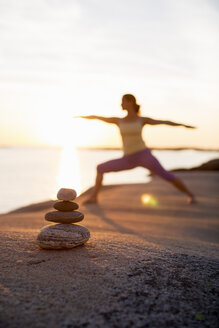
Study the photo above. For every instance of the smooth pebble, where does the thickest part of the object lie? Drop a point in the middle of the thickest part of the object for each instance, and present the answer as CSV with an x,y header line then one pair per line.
x,y
64,217
65,206
60,236
66,194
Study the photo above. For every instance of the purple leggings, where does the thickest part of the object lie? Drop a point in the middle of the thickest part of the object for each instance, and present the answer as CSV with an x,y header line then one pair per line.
x,y
142,158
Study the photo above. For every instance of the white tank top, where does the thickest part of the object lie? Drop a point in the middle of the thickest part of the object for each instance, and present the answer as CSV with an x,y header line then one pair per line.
x,y
131,136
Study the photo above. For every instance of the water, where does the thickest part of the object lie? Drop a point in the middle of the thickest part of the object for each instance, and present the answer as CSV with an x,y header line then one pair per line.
x,y
30,175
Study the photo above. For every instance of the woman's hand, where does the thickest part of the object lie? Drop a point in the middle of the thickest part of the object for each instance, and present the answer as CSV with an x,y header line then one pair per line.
x,y
151,121
113,120
189,126
89,117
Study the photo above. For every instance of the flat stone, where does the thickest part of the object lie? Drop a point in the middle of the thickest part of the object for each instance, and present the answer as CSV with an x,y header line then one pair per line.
x,y
60,236
66,194
65,206
64,217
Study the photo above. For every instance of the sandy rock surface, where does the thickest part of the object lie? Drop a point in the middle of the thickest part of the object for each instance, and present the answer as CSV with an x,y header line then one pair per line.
x,y
143,266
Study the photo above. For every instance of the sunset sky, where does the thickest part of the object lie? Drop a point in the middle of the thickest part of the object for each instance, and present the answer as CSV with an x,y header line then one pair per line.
x,y
60,58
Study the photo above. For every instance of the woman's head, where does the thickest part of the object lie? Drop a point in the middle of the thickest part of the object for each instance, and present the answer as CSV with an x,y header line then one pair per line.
x,y
129,102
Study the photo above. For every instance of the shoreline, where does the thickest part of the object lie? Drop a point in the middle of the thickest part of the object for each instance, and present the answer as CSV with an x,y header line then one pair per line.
x,y
43,205
11,199
153,148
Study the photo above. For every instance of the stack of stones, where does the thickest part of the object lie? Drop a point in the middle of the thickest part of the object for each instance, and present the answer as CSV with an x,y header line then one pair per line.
x,y
65,234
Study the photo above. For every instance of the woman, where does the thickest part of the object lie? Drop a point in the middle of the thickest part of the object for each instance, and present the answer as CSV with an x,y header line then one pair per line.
x,y
135,151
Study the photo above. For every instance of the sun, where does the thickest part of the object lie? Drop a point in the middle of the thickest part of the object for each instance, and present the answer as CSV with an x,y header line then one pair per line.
x,y
68,131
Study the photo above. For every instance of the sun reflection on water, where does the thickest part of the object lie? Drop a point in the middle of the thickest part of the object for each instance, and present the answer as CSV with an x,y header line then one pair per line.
x,y
69,173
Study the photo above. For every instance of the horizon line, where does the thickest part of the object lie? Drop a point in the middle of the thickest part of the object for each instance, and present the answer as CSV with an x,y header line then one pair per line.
x,y
110,148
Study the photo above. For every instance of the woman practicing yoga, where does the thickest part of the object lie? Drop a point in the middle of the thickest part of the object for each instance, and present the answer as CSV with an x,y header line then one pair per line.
x,y
135,151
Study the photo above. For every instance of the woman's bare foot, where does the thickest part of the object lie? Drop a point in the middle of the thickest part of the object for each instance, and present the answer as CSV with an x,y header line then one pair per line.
x,y
91,200
192,200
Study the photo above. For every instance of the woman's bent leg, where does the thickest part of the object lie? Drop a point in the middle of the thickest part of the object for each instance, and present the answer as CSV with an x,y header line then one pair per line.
x,y
114,165
98,183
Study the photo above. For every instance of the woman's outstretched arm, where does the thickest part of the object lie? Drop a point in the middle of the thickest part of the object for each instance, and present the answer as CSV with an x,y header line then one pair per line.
x,y
113,120
151,121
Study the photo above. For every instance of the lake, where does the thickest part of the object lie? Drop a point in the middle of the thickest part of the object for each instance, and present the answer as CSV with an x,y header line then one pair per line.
x,y
30,174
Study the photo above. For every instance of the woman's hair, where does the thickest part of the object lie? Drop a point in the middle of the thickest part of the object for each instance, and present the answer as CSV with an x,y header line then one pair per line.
x,y
132,99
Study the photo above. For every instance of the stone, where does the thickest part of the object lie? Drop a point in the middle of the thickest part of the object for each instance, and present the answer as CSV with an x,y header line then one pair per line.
x,y
64,217
66,194
65,206
60,236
